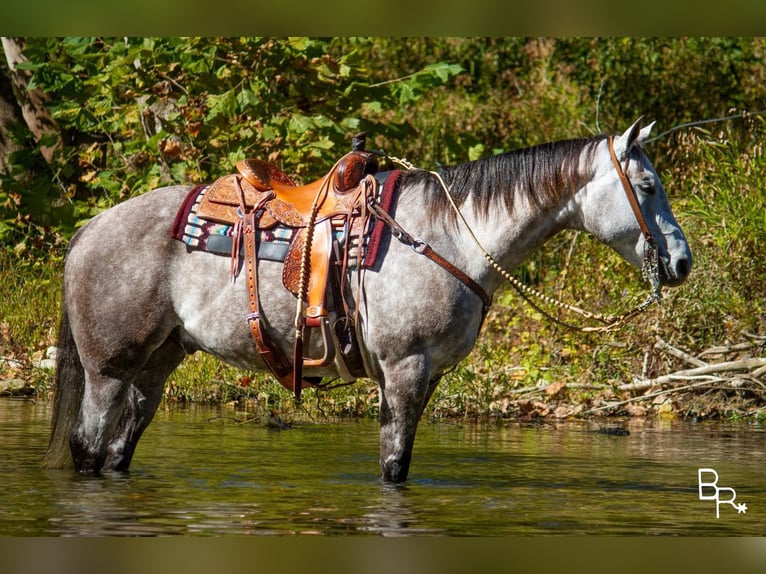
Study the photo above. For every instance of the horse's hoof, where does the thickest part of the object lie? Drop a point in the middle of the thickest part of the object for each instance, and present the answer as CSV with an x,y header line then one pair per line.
x,y
85,461
395,469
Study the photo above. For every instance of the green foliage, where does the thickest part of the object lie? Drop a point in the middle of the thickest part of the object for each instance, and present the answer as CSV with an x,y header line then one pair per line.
x,y
138,113
30,302
723,191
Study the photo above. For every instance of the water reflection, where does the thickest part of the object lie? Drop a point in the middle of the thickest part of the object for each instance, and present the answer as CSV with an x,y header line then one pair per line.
x,y
194,477
394,514
101,506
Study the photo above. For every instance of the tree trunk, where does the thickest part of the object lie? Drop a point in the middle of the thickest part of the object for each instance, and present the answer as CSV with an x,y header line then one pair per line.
x,y
10,119
32,102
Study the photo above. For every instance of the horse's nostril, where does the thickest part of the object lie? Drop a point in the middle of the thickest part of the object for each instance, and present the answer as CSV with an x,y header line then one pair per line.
x,y
683,266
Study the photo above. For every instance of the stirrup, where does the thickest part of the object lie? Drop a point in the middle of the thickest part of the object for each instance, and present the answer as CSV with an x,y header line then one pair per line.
x,y
322,321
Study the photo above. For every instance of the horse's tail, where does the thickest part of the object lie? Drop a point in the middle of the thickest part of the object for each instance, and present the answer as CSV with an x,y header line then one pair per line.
x,y
70,383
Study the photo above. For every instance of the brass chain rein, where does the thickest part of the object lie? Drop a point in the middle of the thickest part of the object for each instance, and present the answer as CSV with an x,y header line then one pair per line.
x,y
649,269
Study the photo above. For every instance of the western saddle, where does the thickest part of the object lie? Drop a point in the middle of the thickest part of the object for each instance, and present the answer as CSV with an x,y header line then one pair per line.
x,y
261,197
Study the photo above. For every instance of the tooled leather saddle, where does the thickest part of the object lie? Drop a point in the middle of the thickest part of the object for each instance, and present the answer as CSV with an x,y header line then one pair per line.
x,y
259,197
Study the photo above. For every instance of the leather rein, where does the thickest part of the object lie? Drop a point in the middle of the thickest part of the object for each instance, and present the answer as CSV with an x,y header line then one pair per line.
x,y
649,267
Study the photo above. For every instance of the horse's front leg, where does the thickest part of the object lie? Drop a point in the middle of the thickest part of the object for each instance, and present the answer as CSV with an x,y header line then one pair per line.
x,y
403,392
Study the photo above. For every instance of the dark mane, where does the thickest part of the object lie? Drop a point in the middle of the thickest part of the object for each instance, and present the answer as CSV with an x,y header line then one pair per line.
x,y
544,174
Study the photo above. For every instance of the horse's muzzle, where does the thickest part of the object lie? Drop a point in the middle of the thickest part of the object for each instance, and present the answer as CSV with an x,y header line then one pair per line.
x,y
674,271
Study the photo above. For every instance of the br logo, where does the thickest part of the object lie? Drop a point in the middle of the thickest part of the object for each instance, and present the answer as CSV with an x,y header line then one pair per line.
x,y
711,491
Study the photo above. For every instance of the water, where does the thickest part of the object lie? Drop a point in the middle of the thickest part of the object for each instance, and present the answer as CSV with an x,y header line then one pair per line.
x,y
197,473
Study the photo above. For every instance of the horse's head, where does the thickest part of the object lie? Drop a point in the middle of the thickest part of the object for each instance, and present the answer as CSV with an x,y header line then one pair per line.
x,y
607,213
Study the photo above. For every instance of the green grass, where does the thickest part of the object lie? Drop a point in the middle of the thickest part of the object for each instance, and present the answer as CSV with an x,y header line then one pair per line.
x,y
29,310
29,305
203,379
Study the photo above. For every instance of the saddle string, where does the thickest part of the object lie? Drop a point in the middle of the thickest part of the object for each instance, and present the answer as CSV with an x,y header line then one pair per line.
x,y
300,318
370,189
236,243
609,322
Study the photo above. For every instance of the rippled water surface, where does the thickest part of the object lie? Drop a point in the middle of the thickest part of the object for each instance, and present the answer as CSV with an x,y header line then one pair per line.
x,y
196,472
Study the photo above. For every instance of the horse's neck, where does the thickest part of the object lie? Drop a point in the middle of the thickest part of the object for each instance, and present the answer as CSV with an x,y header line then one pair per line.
x,y
508,237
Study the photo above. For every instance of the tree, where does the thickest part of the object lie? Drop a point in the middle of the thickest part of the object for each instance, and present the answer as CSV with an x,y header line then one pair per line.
x,y
31,100
9,121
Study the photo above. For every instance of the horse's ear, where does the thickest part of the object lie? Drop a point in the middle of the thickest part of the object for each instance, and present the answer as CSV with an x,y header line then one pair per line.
x,y
632,135
643,135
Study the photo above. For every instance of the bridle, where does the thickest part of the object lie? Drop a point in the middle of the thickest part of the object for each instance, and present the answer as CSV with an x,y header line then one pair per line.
x,y
649,265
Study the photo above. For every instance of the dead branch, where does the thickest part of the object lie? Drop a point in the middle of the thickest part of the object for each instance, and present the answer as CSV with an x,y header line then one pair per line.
x,y
726,349
754,364
659,393
755,342
678,353
547,388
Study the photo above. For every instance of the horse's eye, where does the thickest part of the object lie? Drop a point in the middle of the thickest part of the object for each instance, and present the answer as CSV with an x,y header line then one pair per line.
x,y
647,185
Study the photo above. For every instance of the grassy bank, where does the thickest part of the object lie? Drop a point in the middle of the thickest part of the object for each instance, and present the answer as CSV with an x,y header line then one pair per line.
x,y
524,365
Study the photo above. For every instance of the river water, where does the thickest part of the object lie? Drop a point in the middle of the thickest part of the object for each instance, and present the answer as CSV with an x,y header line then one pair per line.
x,y
196,472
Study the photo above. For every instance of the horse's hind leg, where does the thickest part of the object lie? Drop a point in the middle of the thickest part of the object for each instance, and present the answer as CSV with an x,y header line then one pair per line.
x,y
141,403
102,406
116,408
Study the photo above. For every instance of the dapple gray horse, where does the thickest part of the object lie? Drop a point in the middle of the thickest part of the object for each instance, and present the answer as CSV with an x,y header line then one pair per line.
x,y
136,302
